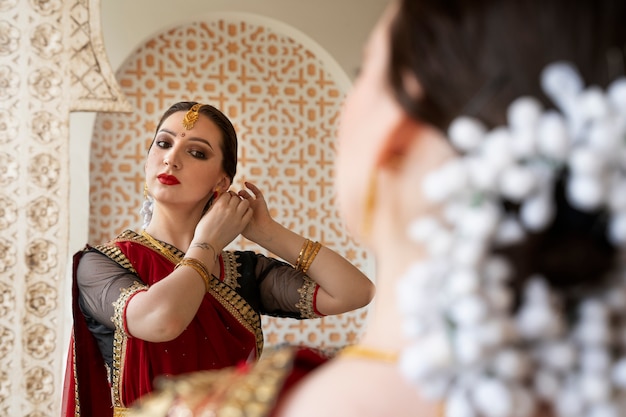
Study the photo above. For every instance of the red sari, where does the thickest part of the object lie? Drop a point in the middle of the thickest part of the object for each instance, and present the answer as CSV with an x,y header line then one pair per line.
x,y
226,331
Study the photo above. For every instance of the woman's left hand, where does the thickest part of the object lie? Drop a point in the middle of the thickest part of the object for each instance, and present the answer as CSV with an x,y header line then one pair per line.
x,y
258,227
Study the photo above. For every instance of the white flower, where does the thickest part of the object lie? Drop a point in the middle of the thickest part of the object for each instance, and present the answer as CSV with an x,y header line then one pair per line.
x,y
493,398
466,133
561,82
459,405
553,138
516,183
537,212
617,94
524,112
617,229
512,364
586,192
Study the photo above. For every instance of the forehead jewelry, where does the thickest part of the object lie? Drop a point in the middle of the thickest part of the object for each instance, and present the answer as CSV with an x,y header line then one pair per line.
x,y
191,117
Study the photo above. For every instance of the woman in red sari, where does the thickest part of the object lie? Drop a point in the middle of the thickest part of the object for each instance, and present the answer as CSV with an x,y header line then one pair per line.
x,y
170,300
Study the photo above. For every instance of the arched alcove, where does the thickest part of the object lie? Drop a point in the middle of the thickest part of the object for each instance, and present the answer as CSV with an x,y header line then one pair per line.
x,y
283,94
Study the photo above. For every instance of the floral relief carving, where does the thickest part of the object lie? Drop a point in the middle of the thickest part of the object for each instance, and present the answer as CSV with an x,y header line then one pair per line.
x,y
5,386
8,169
41,256
45,84
39,384
8,126
8,212
43,213
8,341
9,38
39,341
44,170
7,300
41,299
46,40
46,7
9,83
46,127
7,5
7,255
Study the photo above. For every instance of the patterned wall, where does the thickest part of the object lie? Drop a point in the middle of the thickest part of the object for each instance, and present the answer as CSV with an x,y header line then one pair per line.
x,y
51,62
283,94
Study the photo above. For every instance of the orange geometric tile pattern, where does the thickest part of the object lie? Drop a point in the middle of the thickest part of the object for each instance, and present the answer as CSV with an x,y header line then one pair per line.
x,y
284,101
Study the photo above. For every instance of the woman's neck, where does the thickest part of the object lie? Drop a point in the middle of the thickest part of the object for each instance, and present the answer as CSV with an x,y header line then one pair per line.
x,y
384,323
175,228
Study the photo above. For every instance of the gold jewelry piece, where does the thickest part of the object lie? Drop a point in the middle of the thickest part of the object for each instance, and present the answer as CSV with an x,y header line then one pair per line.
x,y
364,352
191,117
164,251
309,260
370,204
305,247
307,255
145,190
199,267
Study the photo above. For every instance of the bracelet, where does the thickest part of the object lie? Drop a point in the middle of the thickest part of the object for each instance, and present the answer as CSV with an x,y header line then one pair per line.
x,y
199,267
305,247
316,248
307,254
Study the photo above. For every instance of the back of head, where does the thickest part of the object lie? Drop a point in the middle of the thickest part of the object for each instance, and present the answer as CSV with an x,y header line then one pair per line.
x,y
475,57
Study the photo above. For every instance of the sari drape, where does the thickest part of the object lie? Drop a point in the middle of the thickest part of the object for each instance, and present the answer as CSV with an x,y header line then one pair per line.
x,y
226,331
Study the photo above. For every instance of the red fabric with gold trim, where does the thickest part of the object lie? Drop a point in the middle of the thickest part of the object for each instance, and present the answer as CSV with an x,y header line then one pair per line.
x,y
213,340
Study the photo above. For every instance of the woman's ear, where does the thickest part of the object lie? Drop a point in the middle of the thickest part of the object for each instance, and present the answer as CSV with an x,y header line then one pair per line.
x,y
223,184
398,141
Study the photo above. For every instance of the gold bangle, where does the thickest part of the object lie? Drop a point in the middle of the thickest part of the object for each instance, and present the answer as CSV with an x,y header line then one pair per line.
x,y
303,253
199,267
316,248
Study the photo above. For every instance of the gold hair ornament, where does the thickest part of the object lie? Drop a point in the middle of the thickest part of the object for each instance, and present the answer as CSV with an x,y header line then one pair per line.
x,y
191,117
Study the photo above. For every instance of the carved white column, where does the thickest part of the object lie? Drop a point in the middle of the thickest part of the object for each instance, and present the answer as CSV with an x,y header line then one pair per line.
x,y
52,62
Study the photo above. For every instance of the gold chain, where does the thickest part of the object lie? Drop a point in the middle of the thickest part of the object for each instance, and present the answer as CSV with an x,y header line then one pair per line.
x,y
360,351
162,249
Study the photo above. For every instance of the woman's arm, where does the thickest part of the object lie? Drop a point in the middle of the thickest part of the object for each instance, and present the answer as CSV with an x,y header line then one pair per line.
x,y
343,287
164,311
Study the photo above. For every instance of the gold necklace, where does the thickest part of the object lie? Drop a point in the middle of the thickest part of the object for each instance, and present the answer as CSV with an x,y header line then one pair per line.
x,y
173,258
365,352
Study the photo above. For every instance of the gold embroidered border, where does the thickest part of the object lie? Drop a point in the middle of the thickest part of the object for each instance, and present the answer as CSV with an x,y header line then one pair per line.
x,y
231,271
120,338
239,308
115,253
222,393
307,295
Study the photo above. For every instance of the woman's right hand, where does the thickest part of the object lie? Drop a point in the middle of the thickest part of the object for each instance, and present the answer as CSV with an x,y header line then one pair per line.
x,y
224,221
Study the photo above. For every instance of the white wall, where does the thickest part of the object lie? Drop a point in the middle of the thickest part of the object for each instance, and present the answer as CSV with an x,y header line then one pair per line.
x,y
340,27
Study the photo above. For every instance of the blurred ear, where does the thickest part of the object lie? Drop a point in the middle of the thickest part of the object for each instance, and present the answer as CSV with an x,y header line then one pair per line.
x,y
223,185
396,145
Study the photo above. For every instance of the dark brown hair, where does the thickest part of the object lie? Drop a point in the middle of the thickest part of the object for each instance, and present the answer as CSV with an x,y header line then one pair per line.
x,y
229,136
474,57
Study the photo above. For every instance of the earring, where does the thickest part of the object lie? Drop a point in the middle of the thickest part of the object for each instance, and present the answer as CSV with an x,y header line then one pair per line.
x,y
145,190
370,204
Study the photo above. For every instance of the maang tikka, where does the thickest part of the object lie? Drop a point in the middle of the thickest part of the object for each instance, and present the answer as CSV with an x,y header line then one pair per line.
x,y
191,117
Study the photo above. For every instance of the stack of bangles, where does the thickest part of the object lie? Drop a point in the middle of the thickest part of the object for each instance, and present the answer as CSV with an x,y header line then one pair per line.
x,y
199,267
307,254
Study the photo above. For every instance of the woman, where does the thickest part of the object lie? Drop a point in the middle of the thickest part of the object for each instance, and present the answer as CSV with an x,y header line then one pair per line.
x,y
490,184
170,300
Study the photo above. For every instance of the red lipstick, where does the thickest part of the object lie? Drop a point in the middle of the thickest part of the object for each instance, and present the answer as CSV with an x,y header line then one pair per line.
x,y
168,179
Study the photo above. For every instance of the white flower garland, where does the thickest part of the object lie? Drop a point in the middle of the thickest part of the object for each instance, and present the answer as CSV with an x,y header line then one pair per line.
x,y
469,349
